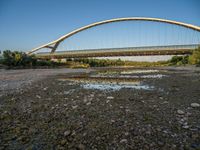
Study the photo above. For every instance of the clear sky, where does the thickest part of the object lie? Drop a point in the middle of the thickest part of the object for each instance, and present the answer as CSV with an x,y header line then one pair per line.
x,y
26,24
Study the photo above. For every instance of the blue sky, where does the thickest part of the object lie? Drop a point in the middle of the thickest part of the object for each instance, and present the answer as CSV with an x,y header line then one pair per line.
x,y
25,24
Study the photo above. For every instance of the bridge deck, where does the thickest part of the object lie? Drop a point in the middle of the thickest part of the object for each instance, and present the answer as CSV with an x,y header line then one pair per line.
x,y
129,51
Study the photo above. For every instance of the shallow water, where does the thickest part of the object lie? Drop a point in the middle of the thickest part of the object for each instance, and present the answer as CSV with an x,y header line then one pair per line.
x,y
130,76
114,87
139,71
116,80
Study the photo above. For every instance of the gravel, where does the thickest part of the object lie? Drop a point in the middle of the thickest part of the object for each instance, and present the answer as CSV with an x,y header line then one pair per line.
x,y
46,116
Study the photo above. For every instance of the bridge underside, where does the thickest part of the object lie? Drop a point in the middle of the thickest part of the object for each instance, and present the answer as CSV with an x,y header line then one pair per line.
x,y
86,54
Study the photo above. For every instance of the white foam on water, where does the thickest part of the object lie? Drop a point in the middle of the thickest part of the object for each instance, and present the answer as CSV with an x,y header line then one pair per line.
x,y
153,76
139,71
131,76
114,87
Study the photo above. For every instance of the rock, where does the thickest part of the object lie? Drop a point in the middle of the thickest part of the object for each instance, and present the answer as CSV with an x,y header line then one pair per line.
x,y
126,133
165,102
38,96
180,112
63,142
112,121
81,147
67,133
185,126
123,141
91,95
5,112
66,92
74,107
107,101
160,143
73,133
88,103
110,97
194,105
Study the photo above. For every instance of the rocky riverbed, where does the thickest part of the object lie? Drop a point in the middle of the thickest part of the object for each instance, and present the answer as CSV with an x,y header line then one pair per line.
x,y
157,108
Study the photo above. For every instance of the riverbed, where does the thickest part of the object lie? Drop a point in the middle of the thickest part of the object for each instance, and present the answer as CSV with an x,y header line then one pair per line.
x,y
100,108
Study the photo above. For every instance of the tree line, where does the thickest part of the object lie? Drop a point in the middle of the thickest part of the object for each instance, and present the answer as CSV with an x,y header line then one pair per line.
x,y
21,59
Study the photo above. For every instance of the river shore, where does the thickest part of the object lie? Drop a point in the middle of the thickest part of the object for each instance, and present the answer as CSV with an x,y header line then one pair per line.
x,y
43,109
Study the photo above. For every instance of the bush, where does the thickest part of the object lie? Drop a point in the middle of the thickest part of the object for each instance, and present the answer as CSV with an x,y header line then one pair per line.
x,y
100,62
16,58
195,57
179,60
43,63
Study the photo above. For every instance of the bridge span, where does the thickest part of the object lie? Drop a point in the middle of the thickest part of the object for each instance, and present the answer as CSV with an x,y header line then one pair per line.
x,y
127,51
177,38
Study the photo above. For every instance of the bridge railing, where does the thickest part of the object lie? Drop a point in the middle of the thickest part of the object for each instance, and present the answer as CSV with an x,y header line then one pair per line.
x,y
127,49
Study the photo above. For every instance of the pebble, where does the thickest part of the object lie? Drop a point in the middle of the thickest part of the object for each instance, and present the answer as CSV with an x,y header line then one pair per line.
x,y
63,142
127,110
123,141
91,95
66,133
112,121
38,96
107,101
110,97
88,103
180,112
186,127
194,105
74,107
81,147
126,133
66,92
165,102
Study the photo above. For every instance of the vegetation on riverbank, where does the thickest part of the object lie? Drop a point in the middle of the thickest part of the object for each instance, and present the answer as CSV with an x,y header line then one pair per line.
x,y
22,60
193,59
118,62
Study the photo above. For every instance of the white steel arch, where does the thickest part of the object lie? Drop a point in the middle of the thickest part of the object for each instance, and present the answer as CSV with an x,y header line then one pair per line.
x,y
54,44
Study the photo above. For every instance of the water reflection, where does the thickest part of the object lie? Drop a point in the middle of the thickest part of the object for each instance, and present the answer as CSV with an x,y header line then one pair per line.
x,y
115,80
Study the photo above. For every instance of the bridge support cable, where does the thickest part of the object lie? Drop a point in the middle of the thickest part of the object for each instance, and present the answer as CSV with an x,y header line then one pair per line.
x,y
185,36
197,38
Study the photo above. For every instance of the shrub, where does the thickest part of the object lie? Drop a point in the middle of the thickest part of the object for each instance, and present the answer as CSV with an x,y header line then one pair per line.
x,y
16,58
195,57
179,60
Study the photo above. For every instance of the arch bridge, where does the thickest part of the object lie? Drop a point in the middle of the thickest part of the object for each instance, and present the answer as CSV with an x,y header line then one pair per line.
x,y
164,49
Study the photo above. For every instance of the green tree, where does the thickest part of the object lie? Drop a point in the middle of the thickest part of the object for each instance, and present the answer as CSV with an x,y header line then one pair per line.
x,y
195,57
15,58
